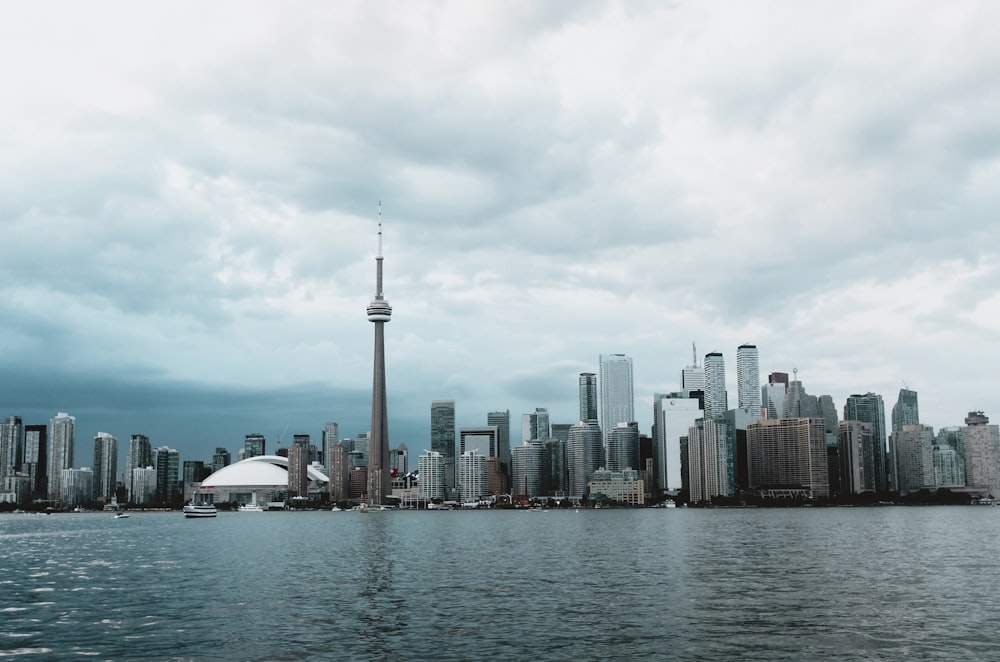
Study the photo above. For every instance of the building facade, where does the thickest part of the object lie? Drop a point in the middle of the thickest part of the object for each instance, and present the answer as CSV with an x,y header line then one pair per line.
x,y
748,378
62,439
105,466
443,438
787,457
716,400
616,391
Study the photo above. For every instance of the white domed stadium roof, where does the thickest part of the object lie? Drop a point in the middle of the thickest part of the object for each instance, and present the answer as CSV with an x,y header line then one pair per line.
x,y
260,471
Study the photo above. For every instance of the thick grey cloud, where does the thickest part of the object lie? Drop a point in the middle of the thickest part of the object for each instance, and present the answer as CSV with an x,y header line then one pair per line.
x,y
188,206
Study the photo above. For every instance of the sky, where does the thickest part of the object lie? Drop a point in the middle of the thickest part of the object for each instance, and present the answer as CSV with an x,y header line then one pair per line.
x,y
189,199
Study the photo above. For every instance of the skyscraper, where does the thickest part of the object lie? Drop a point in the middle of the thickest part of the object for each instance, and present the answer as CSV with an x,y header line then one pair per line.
x,y
914,452
623,447
379,312
443,439
140,456
716,402
584,455
588,396
36,450
869,408
748,378
982,453
905,411
253,445
62,436
501,419
166,461
711,450
617,398
105,466
692,376
788,456
673,415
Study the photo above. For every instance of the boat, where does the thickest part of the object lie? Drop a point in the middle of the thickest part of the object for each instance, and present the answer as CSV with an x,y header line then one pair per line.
x,y
121,515
250,508
200,510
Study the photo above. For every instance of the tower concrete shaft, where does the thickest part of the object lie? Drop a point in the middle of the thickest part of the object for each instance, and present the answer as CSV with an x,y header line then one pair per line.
x,y
379,312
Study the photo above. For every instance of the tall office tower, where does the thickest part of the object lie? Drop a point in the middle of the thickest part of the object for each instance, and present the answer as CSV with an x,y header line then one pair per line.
x,y
716,400
527,468
868,408
443,440
143,481
856,451
554,457
140,456
472,477
748,378
623,447
501,419
828,412
798,403
298,467
617,398
76,486
105,466
710,459
62,437
166,461
584,456
692,376
35,454
788,456
588,396
192,471
221,458
673,414
11,446
253,445
482,439
432,478
379,312
949,465
535,425
981,442
905,411
915,457
331,435
338,472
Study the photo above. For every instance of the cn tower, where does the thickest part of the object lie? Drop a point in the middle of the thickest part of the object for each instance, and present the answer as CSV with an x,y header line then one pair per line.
x,y
379,312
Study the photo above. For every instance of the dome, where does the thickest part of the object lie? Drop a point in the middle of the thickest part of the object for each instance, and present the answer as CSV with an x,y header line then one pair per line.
x,y
261,471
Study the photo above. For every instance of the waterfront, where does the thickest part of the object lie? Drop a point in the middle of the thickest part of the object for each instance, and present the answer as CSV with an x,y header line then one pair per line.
x,y
853,583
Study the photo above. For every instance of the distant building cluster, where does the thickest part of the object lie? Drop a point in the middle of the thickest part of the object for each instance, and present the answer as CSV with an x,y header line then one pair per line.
x,y
779,442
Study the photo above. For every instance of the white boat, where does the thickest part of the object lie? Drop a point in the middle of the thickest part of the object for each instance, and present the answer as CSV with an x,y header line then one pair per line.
x,y
250,508
121,515
200,510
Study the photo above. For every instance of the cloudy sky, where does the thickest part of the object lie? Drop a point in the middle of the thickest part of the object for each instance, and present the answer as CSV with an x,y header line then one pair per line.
x,y
189,195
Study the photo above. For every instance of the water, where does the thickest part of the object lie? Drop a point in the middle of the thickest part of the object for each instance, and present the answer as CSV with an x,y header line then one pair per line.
x,y
872,583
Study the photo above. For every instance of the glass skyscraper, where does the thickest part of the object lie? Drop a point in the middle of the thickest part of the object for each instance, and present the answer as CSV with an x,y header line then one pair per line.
x,y
617,398
716,402
443,439
748,378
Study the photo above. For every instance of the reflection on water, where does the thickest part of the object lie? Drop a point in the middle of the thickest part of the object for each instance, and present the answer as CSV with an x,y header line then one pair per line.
x,y
872,583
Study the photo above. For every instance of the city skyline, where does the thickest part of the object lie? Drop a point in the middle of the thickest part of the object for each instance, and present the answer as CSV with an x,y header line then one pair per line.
x,y
187,247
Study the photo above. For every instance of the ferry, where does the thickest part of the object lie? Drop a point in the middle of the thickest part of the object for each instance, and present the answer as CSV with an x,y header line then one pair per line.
x,y
194,510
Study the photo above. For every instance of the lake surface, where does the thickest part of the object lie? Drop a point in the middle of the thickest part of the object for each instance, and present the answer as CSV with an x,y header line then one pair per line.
x,y
756,584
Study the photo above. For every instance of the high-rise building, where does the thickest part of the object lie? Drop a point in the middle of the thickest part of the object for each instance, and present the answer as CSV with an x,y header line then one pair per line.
x,y
949,465
711,453
298,467
105,466
11,446
673,414
623,447
905,411
221,458
482,439
588,396
527,468
554,456
62,438
981,444
748,378
338,472
716,401
379,312
399,461
443,439
535,425
869,408
857,451
773,393
788,457
472,477
253,445
140,456
35,458
432,479
616,390
143,481
76,486
501,419
692,376
192,471
584,456
166,461
914,452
